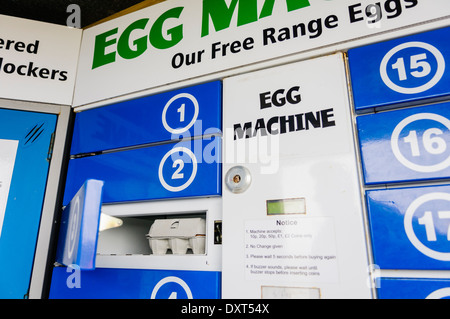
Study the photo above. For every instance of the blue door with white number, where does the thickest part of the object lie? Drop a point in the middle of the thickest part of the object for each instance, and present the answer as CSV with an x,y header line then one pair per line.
x,y
25,138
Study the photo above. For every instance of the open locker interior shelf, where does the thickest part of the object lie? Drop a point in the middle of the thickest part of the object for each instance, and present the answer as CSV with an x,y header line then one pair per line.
x,y
132,237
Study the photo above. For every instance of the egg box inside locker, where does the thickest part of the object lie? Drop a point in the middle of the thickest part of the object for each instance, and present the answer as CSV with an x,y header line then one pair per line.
x,y
178,235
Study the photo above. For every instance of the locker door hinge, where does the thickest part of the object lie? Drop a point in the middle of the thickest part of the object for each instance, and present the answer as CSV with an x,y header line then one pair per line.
x,y
50,147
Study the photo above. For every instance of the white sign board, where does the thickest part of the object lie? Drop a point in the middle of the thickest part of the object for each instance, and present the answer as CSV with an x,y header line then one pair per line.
x,y
298,250
38,61
299,223
8,151
177,40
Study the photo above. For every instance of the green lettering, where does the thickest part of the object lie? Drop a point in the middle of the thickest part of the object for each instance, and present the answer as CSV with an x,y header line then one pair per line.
x,y
292,5
100,58
175,33
123,46
221,14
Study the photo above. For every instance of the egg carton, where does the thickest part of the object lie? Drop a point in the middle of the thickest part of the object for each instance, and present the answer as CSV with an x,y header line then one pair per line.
x,y
178,235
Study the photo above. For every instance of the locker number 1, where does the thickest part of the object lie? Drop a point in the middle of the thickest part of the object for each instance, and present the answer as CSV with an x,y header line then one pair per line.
x,y
180,113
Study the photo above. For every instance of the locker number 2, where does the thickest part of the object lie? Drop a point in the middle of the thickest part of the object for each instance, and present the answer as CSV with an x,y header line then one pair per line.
x,y
412,67
176,177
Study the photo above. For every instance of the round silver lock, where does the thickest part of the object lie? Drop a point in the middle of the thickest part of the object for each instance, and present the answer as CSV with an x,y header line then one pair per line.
x,y
238,179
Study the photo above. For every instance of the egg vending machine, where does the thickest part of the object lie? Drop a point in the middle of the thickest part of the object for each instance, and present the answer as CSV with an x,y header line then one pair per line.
x,y
292,208
155,165
401,90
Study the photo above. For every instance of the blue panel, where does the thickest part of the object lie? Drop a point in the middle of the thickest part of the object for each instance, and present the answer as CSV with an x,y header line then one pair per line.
x,y
80,219
26,194
156,118
105,283
401,70
184,169
406,145
413,288
410,227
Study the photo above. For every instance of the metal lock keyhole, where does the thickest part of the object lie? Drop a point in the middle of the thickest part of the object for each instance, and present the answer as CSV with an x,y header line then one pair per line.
x,y
238,179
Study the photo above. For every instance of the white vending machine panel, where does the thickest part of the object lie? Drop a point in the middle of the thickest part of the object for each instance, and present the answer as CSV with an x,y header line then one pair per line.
x,y
293,223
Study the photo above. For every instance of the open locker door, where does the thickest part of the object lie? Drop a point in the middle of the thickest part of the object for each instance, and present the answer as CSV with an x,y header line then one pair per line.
x,y
25,139
78,237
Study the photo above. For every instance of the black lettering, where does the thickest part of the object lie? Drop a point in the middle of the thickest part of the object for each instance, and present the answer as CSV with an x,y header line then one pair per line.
x,y
190,58
33,47
353,11
268,35
177,60
63,76
299,118
239,131
248,43
311,119
284,121
9,68
264,100
278,102
326,118
235,47
376,14
396,9
413,3
215,49
54,73
8,44
284,34
43,73
20,46
20,68
260,125
293,99
271,122
31,70
331,21
224,49
296,28
315,28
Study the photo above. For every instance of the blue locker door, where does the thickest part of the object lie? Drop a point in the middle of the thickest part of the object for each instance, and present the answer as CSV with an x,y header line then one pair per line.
x,y
24,144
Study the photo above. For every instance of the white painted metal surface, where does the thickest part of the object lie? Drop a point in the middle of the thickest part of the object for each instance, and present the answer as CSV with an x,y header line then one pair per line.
x,y
307,154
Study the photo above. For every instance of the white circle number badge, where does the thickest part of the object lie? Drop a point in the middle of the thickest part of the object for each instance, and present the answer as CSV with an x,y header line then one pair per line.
x,y
421,142
171,288
412,67
180,113
427,225
177,169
